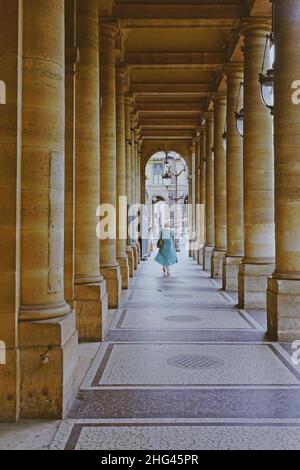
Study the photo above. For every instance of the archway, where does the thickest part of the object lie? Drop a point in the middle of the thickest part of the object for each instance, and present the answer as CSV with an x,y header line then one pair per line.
x,y
166,198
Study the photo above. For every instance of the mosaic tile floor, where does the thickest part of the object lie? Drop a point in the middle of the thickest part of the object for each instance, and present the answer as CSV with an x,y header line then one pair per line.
x,y
183,369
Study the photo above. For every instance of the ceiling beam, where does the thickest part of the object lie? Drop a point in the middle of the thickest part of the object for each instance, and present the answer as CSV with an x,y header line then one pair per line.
x,y
179,134
195,60
170,123
169,107
186,10
172,88
208,23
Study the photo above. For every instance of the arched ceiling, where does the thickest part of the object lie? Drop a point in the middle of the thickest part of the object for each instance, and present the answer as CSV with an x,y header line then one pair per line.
x,y
175,52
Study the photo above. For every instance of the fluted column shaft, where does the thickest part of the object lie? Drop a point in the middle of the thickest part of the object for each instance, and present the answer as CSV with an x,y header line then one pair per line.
x,y
108,164
234,182
209,201
258,260
219,186
284,285
90,297
121,176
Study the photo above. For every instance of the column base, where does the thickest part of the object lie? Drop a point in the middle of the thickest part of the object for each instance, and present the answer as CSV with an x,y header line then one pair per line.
x,y
283,306
48,363
113,278
124,267
130,256
9,386
200,254
91,311
191,248
135,256
217,263
208,252
195,251
139,254
252,285
231,266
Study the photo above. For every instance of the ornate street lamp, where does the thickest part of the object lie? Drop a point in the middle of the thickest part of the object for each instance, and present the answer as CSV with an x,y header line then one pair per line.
x,y
266,76
239,114
167,175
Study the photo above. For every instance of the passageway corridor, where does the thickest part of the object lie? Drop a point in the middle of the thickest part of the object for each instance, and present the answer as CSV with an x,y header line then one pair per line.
x,y
182,368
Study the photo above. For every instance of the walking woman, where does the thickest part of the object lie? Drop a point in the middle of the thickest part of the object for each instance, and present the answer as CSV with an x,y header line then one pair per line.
x,y
167,253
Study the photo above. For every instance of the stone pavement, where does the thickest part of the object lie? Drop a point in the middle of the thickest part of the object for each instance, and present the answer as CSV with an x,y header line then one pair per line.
x,y
184,369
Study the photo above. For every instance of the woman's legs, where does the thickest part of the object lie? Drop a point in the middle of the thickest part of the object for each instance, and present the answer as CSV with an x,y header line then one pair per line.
x,y
168,270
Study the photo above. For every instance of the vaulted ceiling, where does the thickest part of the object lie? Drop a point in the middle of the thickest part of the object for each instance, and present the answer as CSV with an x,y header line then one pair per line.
x,y
175,51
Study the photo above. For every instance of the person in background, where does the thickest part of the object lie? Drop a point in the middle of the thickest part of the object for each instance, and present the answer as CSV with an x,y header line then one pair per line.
x,y
166,255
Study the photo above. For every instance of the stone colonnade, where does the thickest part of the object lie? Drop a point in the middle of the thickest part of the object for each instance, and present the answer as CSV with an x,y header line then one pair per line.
x,y
65,149
254,256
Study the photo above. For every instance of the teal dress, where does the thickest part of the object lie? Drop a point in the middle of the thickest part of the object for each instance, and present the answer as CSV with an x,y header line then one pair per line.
x,y
167,254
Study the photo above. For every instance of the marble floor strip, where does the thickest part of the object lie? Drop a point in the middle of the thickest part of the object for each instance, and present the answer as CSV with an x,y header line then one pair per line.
x,y
183,368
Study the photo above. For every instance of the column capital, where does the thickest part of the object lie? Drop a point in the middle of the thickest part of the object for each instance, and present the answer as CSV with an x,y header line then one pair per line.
x,y
234,69
209,116
219,98
109,28
193,146
128,100
122,73
134,121
256,27
196,139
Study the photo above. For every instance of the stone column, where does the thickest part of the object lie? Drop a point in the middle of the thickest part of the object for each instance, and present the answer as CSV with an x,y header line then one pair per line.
x,y
47,330
258,261
219,186
143,189
90,288
197,198
129,250
108,164
138,187
122,258
71,62
202,192
133,183
192,200
209,198
10,182
190,212
137,168
234,181
284,285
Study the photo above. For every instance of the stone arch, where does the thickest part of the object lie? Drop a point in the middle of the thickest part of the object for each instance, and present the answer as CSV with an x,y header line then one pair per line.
x,y
149,148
